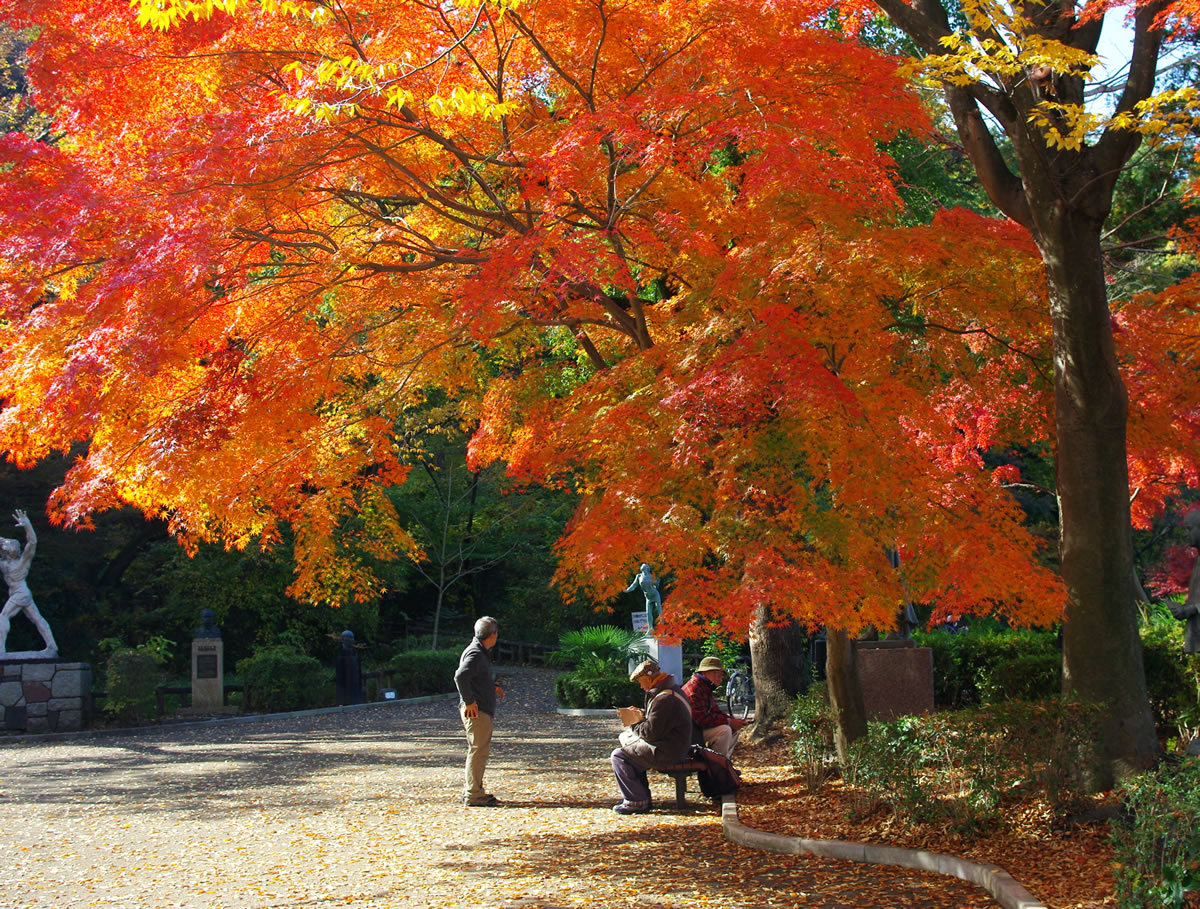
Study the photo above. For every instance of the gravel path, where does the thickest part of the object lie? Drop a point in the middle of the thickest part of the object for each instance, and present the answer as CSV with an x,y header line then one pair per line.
x,y
360,808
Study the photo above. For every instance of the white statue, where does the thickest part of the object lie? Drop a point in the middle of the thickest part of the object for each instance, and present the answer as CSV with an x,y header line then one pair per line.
x,y
14,565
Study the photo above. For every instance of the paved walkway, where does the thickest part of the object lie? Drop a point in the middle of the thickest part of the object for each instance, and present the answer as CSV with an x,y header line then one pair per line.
x,y
360,808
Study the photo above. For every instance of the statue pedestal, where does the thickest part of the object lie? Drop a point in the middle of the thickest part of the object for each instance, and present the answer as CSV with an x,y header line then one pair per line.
x,y
44,695
208,678
669,658
897,678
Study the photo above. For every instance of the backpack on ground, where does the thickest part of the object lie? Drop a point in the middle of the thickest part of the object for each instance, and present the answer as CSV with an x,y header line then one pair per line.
x,y
720,776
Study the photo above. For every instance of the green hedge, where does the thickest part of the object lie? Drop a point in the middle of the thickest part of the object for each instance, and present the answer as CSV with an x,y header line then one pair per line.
x,y
1172,679
574,689
1157,845
416,673
280,678
1032,677
131,680
975,667
967,766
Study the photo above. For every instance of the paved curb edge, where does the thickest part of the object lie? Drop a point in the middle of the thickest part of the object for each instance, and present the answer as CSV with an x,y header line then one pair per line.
x,y
992,878
21,739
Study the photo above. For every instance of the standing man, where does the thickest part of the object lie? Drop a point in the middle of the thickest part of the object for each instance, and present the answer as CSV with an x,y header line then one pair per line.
x,y
478,692
720,731
657,736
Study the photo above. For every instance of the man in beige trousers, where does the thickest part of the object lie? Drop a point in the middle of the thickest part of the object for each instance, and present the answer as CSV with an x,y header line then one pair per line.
x,y
478,693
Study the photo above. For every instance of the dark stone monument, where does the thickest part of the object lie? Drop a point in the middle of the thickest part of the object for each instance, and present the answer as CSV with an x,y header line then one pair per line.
x,y
348,672
896,677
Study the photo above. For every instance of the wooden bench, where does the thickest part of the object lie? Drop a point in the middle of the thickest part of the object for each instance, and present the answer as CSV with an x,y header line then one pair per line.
x,y
680,773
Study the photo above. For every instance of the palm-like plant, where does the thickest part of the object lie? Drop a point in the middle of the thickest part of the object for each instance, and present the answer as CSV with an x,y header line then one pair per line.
x,y
599,649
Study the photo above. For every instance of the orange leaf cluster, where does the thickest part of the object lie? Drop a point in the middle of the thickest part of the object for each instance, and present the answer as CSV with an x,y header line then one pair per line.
x,y
656,242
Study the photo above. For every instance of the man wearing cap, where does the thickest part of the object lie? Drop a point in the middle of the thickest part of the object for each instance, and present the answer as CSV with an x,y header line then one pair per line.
x,y
656,737
478,692
720,731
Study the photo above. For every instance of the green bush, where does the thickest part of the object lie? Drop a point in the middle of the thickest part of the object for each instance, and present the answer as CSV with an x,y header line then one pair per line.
x,y
599,650
579,689
416,673
1157,846
962,766
815,725
280,678
131,680
1032,677
962,661
1172,679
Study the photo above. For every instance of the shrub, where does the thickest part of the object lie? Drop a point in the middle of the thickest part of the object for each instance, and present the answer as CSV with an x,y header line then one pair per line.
x,y
599,650
280,678
815,725
1172,679
416,673
1032,677
1157,846
961,766
961,661
578,689
131,680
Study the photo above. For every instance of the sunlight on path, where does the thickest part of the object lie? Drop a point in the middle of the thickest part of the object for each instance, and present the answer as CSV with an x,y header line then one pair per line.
x,y
361,809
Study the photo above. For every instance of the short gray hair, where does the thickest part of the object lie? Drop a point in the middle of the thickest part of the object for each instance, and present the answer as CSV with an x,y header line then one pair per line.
x,y
485,627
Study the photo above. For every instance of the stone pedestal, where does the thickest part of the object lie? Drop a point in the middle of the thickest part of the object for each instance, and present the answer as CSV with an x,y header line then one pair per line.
x,y
44,695
208,670
897,678
208,676
669,658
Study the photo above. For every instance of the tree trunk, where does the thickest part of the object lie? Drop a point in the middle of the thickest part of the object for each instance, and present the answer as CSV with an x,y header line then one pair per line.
x,y
845,690
1063,196
777,661
1102,652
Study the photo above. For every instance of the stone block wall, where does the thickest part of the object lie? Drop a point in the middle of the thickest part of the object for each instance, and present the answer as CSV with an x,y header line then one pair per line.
x,y
45,696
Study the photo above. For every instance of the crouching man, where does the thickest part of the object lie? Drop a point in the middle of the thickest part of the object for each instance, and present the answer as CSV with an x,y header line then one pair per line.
x,y
656,737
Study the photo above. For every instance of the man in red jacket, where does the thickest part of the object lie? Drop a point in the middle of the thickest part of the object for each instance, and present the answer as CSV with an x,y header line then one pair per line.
x,y
720,730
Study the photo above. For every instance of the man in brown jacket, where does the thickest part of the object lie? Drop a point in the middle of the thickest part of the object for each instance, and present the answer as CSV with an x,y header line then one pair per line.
x,y
659,738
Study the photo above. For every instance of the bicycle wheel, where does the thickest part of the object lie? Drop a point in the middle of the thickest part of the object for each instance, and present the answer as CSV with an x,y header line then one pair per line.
x,y
738,698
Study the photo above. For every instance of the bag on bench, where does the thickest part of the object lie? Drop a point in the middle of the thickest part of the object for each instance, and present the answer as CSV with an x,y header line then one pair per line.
x,y
720,778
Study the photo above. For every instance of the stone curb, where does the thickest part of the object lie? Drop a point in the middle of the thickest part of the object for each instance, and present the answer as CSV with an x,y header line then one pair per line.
x,y
992,878
216,721
587,711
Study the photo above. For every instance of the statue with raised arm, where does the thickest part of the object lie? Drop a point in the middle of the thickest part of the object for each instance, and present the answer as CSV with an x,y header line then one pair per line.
x,y
645,580
14,565
1189,610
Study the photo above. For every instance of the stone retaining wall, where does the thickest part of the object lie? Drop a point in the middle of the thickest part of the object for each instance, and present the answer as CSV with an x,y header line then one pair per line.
x,y
45,696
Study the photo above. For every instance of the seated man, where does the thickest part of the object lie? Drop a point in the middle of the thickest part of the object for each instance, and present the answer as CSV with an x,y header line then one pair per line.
x,y
656,737
720,731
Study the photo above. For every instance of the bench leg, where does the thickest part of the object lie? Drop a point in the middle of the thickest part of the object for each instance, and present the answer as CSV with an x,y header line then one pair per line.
x,y
680,789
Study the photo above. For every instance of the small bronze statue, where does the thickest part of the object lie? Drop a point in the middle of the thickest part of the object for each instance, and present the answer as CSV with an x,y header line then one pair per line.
x,y
645,580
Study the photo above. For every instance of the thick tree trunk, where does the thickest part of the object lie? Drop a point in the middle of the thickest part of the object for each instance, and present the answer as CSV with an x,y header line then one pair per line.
x,y
845,690
1102,653
777,660
1063,196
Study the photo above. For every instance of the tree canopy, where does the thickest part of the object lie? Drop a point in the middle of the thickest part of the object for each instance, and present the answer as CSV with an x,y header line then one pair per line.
x,y
660,245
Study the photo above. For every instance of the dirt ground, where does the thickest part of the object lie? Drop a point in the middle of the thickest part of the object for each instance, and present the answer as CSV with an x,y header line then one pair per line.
x,y
361,808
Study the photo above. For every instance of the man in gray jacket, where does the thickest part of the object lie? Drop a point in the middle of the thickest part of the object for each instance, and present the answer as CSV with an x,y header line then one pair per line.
x,y
658,738
478,692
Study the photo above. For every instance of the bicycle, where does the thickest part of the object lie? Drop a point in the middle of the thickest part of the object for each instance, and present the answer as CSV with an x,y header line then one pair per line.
x,y
739,692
